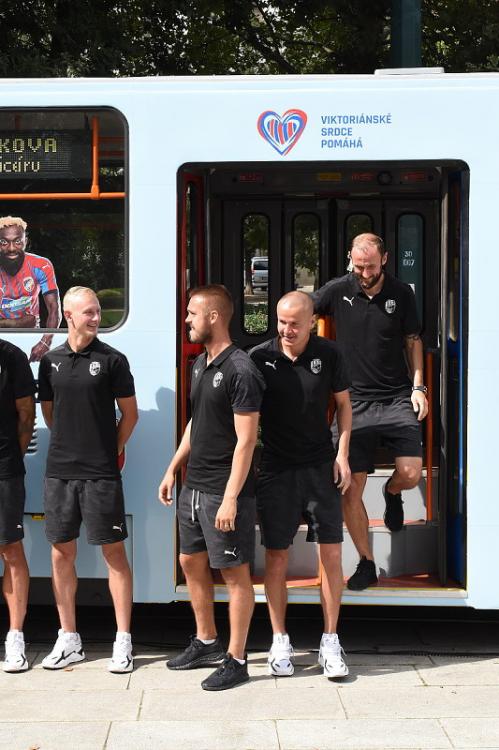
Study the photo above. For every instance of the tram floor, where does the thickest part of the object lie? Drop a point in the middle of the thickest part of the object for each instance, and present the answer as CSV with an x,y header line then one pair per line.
x,y
362,629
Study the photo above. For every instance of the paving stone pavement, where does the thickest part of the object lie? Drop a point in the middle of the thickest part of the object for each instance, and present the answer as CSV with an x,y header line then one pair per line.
x,y
392,700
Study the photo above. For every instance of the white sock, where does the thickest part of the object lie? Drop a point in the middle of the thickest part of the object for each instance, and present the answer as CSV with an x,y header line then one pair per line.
x,y
207,641
277,637
239,661
121,635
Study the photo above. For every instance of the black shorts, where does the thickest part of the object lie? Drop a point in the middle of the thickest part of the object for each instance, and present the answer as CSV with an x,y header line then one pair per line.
x,y
11,509
98,503
196,512
392,424
308,493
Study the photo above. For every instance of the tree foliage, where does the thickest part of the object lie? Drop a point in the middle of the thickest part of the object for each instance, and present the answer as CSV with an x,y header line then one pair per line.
x,y
212,37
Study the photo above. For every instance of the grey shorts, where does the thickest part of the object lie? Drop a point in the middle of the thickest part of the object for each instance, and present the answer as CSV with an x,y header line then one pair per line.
x,y
11,509
392,424
196,513
303,493
98,503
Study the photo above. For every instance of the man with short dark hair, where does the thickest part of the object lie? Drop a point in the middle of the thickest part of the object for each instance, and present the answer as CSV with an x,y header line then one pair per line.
x,y
378,330
216,508
80,383
23,277
300,474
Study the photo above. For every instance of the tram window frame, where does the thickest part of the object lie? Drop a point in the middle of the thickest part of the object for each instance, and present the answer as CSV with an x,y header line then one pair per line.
x,y
63,119
262,331
318,275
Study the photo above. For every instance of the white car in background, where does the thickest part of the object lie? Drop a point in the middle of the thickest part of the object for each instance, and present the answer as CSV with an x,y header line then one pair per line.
x,y
259,272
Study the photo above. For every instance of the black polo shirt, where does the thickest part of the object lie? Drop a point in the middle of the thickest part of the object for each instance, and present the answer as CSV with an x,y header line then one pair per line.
x,y
371,333
230,383
295,426
16,381
83,387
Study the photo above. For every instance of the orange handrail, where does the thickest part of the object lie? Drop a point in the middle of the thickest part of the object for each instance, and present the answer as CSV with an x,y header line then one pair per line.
x,y
94,193
429,438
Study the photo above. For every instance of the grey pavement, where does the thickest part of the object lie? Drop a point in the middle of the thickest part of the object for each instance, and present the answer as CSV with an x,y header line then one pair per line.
x,y
411,685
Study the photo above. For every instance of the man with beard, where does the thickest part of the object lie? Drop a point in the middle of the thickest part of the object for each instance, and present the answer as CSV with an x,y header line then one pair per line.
x,y
23,276
216,508
378,329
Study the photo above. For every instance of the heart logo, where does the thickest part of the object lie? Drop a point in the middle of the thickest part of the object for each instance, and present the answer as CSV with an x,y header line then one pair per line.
x,y
282,132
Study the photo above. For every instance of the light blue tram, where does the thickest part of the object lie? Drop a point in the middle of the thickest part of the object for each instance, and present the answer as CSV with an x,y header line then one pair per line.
x,y
141,188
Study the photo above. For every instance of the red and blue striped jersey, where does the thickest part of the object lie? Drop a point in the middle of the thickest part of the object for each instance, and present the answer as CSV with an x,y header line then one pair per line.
x,y
19,294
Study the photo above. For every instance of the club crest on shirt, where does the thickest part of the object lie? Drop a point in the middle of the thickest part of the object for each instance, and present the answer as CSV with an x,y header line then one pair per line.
x,y
94,368
28,284
217,379
390,306
316,366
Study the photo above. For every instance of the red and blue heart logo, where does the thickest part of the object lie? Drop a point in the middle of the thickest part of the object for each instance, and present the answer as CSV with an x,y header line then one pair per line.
x,y
282,132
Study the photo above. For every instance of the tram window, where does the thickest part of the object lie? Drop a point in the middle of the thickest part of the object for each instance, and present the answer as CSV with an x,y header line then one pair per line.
x,y
255,273
306,252
47,154
355,224
410,248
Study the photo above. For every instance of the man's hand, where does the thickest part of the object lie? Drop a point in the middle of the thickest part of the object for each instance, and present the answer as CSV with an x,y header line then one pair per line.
x,y
165,492
419,404
38,351
341,473
226,516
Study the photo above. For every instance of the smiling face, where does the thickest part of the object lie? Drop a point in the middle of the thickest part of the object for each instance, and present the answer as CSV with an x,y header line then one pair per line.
x,y
82,312
13,242
295,320
367,262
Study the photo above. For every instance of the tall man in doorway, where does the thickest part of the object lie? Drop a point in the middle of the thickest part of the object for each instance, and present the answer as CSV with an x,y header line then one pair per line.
x,y
17,416
80,382
378,329
23,277
216,508
300,475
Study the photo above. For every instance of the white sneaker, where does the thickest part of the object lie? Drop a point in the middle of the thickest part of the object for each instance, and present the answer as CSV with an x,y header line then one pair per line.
x,y
331,657
67,650
15,658
280,656
122,659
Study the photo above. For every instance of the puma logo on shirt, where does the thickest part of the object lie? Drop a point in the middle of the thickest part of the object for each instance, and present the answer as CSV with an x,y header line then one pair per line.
x,y
272,364
350,301
56,366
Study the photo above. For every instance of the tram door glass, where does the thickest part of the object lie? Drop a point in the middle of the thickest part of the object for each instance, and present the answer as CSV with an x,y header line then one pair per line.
x,y
255,273
355,224
306,244
410,239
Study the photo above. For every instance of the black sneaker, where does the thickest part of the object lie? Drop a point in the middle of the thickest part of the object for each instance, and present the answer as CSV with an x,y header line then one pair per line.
x,y
229,674
364,576
394,512
198,654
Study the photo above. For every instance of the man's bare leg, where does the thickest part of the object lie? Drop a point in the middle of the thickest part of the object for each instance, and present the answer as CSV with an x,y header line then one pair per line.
x,y
331,584
65,583
406,475
120,583
241,606
200,584
276,565
355,515
15,583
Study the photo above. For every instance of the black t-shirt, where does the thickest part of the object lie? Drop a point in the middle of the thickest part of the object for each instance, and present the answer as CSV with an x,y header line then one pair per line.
x,y
295,427
16,381
230,383
371,333
83,386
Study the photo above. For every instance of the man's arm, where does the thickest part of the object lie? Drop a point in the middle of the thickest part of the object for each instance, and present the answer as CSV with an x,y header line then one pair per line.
x,y
128,420
47,411
25,408
53,321
414,351
341,470
179,459
246,427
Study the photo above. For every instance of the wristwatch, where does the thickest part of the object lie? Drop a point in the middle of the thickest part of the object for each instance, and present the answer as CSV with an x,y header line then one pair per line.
x,y
420,388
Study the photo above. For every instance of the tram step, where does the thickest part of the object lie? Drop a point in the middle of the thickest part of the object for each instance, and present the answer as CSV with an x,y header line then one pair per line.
x,y
414,500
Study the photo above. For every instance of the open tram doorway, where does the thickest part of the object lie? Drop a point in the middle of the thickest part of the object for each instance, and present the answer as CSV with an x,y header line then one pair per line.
x,y
265,229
